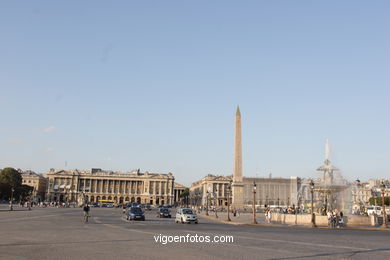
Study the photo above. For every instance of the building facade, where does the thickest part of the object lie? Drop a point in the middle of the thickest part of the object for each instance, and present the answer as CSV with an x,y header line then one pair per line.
x,y
269,191
37,181
95,185
214,188
177,191
281,192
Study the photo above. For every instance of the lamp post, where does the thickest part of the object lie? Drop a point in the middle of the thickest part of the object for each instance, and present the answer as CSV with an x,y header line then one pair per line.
x,y
215,203
373,195
11,207
207,203
313,216
254,203
228,200
383,189
29,200
358,198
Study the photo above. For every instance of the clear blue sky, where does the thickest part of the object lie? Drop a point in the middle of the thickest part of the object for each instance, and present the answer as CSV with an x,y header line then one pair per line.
x,y
155,84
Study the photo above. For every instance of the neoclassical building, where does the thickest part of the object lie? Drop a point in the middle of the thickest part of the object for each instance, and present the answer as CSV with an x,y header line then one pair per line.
x,y
269,191
37,181
215,188
133,186
177,191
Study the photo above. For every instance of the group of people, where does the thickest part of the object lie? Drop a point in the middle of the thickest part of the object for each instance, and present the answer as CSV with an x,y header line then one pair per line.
x,y
335,218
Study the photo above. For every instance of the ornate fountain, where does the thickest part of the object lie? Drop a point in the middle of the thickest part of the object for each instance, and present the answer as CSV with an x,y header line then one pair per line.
x,y
331,185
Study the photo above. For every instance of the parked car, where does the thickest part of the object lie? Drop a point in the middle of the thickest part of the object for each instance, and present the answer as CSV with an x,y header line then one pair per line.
x,y
186,215
135,213
148,206
164,213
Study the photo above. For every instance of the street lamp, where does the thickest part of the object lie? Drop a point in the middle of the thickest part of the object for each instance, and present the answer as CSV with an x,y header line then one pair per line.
x,y
313,216
215,203
254,203
207,203
383,189
29,200
373,195
229,187
358,197
11,207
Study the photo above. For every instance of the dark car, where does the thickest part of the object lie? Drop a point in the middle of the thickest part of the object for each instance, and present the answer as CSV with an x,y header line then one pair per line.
x,y
135,213
94,204
164,213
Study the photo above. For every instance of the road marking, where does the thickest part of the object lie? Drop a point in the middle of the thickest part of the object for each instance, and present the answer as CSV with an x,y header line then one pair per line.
x,y
294,242
44,216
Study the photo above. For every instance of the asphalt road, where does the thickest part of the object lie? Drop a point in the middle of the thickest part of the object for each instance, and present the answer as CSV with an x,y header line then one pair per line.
x,y
53,233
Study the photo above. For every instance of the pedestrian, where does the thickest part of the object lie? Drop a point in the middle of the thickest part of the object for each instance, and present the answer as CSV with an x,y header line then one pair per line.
x,y
329,215
269,216
341,222
86,210
334,219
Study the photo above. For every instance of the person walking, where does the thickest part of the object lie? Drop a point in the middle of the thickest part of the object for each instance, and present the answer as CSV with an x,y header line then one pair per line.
x,y
86,210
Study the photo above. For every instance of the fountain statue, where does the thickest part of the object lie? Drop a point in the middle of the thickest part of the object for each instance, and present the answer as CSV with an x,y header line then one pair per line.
x,y
330,185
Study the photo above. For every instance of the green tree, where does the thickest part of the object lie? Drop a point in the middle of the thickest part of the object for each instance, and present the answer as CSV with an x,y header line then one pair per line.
x,y
23,192
379,201
11,177
185,195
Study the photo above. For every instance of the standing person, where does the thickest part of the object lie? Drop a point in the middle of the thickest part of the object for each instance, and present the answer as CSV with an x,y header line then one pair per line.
x,y
329,215
269,215
341,222
334,217
86,209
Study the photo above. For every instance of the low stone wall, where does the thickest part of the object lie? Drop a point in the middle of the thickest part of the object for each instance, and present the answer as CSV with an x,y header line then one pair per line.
x,y
305,219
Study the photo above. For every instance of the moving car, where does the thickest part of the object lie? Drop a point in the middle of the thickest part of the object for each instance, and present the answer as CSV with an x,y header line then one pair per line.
x,y
164,213
186,215
135,213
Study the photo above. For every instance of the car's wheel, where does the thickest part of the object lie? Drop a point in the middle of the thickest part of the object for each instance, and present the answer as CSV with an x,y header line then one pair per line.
x,y
181,220
196,222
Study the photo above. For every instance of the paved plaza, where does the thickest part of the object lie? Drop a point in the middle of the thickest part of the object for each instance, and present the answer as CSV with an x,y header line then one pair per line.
x,y
59,233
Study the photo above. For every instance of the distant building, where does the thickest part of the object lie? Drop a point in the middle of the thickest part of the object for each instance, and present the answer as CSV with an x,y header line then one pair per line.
x,y
213,187
178,189
269,191
37,181
95,185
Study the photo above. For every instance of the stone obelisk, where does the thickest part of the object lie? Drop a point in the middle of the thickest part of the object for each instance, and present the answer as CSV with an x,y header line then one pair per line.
x,y
238,186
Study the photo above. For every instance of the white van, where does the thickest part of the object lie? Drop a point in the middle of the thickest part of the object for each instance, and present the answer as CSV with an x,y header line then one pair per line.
x,y
372,210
